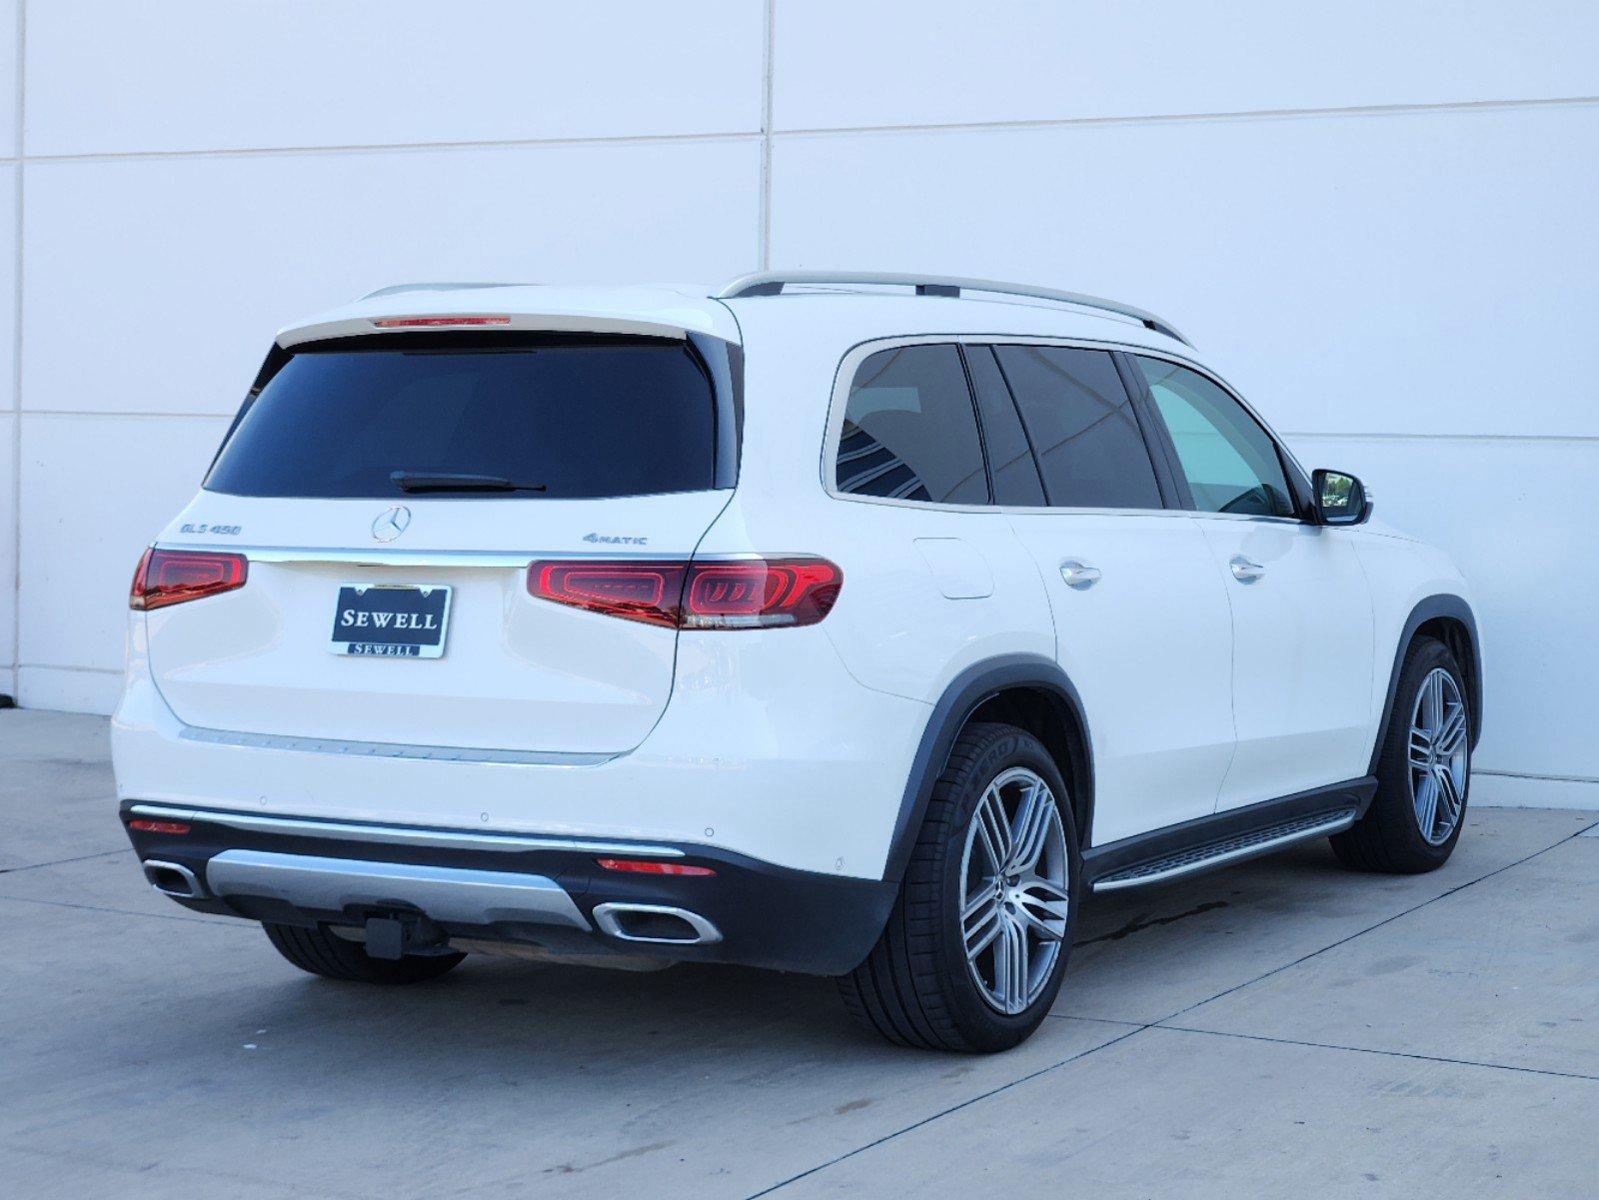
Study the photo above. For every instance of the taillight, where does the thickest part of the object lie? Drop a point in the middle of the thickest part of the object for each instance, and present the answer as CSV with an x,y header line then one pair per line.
x,y
173,576
746,593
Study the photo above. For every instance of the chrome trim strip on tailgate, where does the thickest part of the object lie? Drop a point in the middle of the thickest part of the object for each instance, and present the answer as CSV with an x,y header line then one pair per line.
x,y
351,749
366,556
390,557
443,893
398,835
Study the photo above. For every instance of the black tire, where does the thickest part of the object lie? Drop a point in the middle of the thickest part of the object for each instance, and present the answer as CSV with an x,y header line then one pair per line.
x,y
329,955
915,987
1388,838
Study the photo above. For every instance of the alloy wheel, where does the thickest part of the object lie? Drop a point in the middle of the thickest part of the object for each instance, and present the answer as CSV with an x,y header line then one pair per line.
x,y
1439,756
1015,898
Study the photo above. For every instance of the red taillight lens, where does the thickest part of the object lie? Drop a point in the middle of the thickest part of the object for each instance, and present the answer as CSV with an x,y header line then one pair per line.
x,y
749,593
756,592
173,576
143,826
644,866
436,322
640,591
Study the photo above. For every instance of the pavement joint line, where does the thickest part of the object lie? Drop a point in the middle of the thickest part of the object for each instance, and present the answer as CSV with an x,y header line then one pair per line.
x,y
1161,1024
126,912
1432,1058
61,862
931,1117
1098,1020
1444,895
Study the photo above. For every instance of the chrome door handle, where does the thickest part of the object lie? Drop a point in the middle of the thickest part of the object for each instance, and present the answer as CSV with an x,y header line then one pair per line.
x,y
1078,575
1245,570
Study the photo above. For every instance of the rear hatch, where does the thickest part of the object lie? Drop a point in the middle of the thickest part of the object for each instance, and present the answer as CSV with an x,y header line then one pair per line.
x,y
389,493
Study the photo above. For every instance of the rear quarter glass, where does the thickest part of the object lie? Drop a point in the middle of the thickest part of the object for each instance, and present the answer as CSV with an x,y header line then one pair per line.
x,y
570,418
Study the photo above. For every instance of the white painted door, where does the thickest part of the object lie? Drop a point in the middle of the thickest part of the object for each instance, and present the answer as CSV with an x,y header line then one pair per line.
x,y
1302,628
1148,645
1141,618
1302,656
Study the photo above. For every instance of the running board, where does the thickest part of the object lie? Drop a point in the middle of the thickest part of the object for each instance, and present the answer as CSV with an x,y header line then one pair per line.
x,y
1224,851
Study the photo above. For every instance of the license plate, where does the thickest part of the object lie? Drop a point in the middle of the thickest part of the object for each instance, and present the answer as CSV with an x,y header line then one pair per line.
x,y
391,620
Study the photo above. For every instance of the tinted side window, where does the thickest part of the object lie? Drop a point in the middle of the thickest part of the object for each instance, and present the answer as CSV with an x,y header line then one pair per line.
x,y
909,429
1010,458
1090,448
1229,461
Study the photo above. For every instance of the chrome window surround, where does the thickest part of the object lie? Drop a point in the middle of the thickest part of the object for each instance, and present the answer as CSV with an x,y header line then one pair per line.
x,y
859,352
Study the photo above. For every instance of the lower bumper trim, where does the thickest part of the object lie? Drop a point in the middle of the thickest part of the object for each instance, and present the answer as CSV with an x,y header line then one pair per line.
x,y
337,885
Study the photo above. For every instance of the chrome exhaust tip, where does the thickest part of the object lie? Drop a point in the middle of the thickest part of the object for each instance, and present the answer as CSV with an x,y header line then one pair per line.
x,y
657,924
173,879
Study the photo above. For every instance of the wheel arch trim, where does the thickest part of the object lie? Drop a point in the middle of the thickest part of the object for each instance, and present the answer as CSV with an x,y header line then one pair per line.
x,y
1447,607
965,694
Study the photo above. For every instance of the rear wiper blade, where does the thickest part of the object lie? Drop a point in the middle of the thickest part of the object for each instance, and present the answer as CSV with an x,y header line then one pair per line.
x,y
445,481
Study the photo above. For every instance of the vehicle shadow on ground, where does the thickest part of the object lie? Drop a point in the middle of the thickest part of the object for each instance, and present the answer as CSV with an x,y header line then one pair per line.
x,y
517,1008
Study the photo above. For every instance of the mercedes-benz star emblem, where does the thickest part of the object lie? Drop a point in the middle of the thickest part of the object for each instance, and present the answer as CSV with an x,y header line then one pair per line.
x,y
391,523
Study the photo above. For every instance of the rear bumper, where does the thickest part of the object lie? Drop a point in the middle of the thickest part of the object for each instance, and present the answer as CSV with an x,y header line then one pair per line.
x,y
768,750
545,895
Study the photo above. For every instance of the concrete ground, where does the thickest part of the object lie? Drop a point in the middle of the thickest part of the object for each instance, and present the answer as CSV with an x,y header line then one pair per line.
x,y
1283,1028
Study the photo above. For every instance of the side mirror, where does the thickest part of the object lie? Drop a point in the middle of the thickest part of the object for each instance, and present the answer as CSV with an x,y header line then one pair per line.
x,y
1340,498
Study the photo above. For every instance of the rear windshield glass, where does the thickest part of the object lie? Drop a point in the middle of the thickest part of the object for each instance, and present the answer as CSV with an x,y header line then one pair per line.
x,y
563,419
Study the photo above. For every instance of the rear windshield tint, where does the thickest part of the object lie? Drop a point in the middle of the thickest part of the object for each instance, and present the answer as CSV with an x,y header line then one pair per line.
x,y
558,419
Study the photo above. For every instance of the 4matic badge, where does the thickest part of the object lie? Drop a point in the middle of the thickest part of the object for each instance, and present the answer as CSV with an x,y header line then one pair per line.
x,y
609,539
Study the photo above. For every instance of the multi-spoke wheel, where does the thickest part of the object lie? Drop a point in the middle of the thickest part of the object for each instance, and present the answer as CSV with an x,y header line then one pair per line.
x,y
1438,756
974,951
1016,905
1423,772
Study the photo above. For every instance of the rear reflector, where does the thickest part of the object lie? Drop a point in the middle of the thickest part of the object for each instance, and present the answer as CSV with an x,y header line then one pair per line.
x,y
173,576
436,322
643,866
143,826
752,593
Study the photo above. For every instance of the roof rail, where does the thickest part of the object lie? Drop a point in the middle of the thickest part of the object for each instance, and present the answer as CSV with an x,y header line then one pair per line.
x,y
772,283
431,287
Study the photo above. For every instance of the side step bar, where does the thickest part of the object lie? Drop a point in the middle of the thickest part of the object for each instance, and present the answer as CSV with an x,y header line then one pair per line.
x,y
1227,850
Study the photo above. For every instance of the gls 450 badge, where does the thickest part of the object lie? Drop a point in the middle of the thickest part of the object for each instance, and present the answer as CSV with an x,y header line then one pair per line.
x,y
202,527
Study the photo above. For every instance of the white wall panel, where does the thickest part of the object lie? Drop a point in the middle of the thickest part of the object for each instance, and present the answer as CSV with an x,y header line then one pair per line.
x,y
8,557
184,268
8,78
228,74
841,64
1392,273
68,690
1518,518
95,492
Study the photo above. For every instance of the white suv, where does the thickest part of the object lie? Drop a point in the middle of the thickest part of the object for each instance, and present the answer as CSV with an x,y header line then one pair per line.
x,y
844,624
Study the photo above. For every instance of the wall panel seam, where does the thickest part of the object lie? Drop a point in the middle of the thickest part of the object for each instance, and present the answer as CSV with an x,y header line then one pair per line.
x,y
16,344
645,139
768,66
773,133
1243,114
